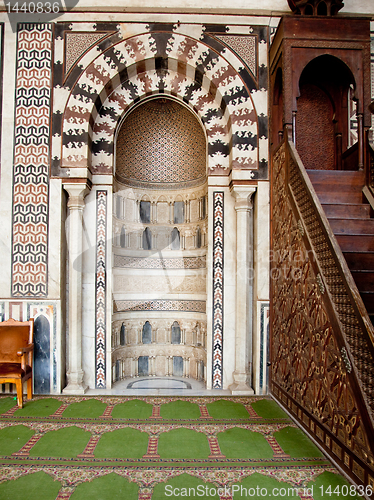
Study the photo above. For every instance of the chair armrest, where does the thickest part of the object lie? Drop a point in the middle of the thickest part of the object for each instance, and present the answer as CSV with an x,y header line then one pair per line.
x,y
23,350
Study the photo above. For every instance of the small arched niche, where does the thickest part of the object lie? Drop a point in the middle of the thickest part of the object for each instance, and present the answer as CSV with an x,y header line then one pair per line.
x,y
161,144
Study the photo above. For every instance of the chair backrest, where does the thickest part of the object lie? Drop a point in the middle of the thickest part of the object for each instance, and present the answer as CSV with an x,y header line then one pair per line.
x,y
13,336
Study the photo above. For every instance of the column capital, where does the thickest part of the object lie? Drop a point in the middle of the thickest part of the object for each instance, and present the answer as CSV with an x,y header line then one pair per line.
x,y
243,196
77,192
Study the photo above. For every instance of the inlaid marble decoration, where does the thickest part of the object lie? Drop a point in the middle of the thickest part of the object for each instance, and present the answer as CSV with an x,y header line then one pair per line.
x,y
217,369
45,351
31,160
101,214
245,46
155,263
160,305
190,64
78,43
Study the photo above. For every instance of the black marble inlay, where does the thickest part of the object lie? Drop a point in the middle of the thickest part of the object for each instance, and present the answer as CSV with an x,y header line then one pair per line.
x,y
41,365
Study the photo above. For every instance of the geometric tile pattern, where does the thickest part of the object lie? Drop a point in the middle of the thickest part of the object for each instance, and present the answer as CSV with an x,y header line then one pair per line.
x,y
101,212
76,44
31,160
161,143
245,47
193,67
217,368
160,305
152,263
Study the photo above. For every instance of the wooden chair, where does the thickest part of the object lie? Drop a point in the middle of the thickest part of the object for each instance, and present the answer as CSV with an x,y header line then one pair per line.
x,y
16,350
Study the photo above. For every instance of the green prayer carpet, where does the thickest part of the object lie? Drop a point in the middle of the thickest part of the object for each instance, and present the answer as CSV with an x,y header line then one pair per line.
x,y
124,448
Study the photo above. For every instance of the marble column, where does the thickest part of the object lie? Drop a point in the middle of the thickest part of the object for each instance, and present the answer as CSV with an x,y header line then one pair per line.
x,y
244,286
77,192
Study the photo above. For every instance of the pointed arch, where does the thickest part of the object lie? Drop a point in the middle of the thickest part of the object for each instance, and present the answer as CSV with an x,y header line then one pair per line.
x,y
129,71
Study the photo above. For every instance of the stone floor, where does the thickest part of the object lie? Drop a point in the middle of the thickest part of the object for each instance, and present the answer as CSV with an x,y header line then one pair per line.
x,y
158,386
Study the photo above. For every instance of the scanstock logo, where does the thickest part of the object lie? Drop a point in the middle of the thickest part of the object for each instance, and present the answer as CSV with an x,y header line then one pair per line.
x,y
36,11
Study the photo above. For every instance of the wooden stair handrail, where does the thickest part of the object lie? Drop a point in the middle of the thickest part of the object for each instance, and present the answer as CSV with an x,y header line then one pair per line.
x,y
344,272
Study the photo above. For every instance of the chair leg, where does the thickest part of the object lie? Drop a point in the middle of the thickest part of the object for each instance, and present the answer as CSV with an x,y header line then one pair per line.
x,y
19,393
29,388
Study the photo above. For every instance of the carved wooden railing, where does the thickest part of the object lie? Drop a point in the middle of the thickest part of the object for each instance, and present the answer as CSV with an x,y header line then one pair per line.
x,y
355,325
319,324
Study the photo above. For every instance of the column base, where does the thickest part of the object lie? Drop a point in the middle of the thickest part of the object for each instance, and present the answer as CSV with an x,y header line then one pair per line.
x,y
75,389
241,389
75,384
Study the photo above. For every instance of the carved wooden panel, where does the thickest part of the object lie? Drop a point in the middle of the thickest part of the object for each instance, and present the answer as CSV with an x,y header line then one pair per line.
x,y
310,372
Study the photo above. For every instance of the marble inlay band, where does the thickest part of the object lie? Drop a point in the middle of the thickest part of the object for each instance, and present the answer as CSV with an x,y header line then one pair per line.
x,y
217,369
101,209
160,305
152,263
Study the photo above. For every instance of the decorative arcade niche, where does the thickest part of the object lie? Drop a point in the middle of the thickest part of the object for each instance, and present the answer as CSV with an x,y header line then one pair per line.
x,y
159,243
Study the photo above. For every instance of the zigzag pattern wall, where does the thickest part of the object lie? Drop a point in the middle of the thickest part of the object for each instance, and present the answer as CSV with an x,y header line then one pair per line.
x,y
31,160
130,63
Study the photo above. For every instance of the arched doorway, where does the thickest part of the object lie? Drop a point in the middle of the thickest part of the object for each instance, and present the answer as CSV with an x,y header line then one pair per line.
x,y
326,115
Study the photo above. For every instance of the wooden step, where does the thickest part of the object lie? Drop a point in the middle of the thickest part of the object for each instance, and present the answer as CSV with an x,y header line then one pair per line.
x,y
338,186
347,211
346,179
359,261
364,280
356,243
331,196
352,226
349,215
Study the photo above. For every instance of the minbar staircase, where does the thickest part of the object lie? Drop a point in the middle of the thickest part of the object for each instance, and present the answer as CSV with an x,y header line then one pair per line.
x,y
351,219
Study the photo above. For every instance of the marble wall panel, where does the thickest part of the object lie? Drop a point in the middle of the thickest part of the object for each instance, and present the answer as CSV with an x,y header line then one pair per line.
x,y
31,160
